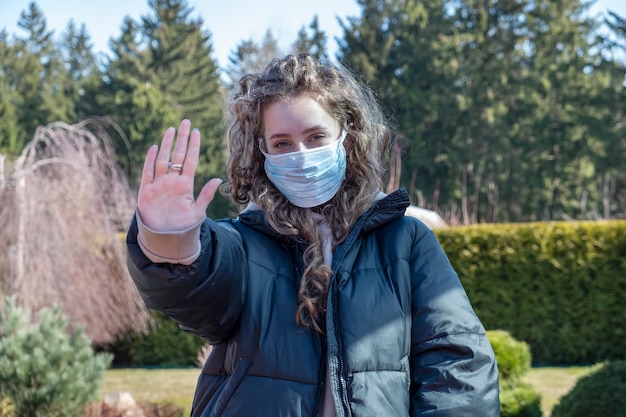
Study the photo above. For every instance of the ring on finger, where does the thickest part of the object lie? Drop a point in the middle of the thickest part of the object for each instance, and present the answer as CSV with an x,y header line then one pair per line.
x,y
175,167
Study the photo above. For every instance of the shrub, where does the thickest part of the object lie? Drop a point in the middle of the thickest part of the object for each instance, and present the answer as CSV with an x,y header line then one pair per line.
x,y
521,400
165,345
556,285
162,410
149,410
517,399
45,371
513,356
203,354
6,408
602,393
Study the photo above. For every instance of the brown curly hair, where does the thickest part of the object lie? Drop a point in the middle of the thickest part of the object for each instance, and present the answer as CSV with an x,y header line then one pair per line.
x,y
353,105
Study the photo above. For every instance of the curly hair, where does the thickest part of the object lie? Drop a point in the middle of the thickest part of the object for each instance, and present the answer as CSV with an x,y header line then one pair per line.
x,y
353,105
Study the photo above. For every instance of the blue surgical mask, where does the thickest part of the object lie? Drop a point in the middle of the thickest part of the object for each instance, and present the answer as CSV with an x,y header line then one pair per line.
x,y
310,177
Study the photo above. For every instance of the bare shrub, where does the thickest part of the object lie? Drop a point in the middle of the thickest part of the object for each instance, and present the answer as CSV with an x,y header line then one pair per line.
x,y
203,354
162,410
149,410
100,410
65,206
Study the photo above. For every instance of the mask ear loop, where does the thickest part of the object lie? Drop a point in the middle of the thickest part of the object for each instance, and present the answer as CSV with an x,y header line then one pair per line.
x,y
262,147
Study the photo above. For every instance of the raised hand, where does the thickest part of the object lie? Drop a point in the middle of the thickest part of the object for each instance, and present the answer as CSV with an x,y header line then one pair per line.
x,y
166,202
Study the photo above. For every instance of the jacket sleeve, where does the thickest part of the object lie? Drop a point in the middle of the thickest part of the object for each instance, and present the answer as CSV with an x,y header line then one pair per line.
x,y
453,366
204,297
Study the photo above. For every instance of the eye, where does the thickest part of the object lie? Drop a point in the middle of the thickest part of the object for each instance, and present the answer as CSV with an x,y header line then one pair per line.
x,y
280,144
317,137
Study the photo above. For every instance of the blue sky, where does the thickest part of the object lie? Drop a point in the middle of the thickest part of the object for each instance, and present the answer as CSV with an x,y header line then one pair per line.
x,y
229,21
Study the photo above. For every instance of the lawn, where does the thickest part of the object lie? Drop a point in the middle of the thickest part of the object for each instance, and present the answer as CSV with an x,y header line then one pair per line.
x,y
554,382
154,385
177,385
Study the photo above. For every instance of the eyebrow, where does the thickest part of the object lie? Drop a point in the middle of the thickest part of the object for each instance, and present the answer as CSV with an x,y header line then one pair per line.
x,y
305,131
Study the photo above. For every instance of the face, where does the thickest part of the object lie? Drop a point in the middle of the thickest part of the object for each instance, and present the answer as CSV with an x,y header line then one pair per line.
x,y
296,124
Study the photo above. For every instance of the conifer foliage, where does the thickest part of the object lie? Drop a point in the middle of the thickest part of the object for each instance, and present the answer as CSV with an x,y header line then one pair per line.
x,y
45,371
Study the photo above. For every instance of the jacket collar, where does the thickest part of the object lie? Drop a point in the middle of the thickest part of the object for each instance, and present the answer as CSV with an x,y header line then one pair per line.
x,y
385,209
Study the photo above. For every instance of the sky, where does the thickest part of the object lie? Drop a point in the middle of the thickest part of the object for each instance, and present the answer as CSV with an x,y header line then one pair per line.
x,y
229,21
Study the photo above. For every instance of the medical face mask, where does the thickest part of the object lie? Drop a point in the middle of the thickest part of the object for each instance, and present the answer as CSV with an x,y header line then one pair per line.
x,y
310,177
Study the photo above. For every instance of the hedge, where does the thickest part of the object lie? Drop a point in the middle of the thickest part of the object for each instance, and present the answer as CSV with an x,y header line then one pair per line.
x,y
557,286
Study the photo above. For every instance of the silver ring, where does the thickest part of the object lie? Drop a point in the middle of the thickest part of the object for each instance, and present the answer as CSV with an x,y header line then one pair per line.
x,y
175,167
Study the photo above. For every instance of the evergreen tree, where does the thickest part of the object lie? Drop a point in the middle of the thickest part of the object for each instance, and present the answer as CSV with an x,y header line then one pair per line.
x,y
560,41
498,104
610,120
251,57
162,71
81,68
313,43
41,74
184,70
405,50
128,96
46,370
11,138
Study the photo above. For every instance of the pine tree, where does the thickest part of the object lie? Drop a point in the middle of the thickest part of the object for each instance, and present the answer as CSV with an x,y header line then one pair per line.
x,y
11,137
46,370
81,69
314,43
184,70
41,74
405,50
162,71
251,57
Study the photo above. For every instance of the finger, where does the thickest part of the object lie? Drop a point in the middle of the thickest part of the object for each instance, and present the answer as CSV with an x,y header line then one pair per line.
x,y
163,156
180,148
193,153
208,193
147,173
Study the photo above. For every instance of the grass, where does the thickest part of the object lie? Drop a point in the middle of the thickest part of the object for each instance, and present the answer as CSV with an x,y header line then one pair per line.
x,y
177,385
554,382
154,385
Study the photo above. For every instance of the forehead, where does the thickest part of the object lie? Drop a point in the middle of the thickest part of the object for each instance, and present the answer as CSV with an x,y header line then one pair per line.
x,y
295,114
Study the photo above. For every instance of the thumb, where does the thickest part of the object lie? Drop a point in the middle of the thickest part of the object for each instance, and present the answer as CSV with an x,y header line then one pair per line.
x,y
207,193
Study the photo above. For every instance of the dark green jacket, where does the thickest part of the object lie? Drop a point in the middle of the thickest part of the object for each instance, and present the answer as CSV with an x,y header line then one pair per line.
x,y
402,338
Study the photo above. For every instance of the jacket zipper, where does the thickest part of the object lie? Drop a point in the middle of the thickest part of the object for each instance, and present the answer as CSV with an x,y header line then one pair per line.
x,y
322,376
341,374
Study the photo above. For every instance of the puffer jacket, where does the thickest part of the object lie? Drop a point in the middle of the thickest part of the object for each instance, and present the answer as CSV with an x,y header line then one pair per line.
x,y
401,336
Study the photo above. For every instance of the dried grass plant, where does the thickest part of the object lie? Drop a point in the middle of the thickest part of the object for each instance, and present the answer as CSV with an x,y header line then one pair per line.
x,y
64,207
203,354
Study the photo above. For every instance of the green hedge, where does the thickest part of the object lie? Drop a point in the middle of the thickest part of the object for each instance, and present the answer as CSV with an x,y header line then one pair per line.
x,y
558,286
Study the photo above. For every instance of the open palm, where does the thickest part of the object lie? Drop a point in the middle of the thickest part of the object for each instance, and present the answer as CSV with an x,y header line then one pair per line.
x,y
166,202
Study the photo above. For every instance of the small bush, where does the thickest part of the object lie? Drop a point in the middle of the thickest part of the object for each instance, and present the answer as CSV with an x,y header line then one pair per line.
x,y
513,356
165,345
45,371
517,399
521,400
602,393
6,408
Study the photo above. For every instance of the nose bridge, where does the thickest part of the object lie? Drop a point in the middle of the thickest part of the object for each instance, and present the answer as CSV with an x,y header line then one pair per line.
x,y
300,145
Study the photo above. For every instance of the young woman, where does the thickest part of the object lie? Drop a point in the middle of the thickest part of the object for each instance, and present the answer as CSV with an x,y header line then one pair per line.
x,y
321,298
